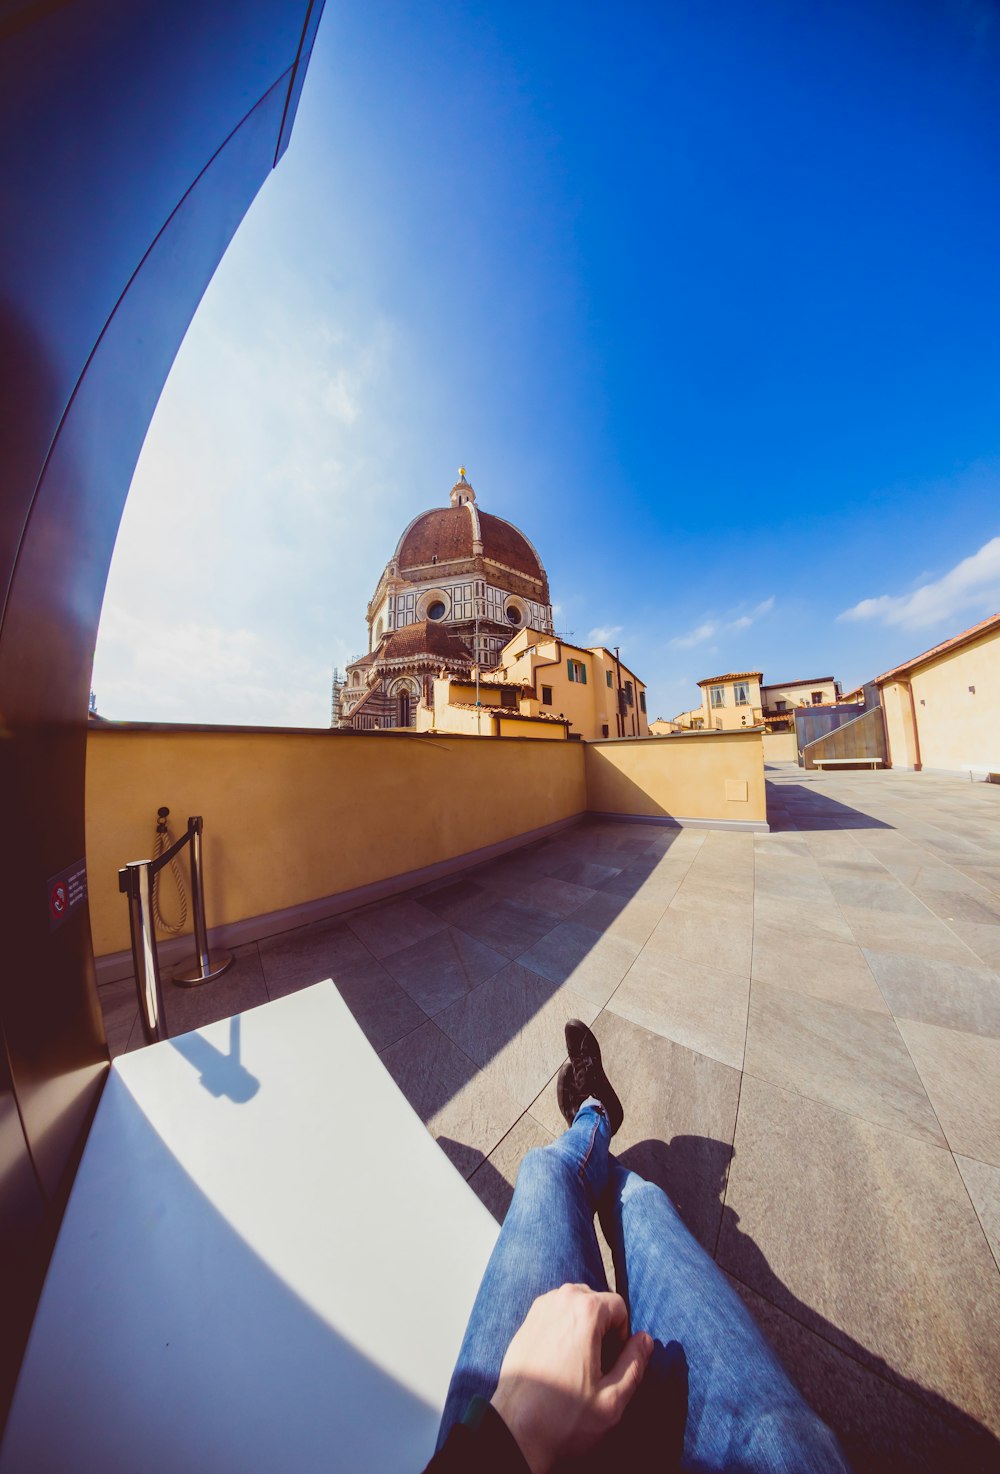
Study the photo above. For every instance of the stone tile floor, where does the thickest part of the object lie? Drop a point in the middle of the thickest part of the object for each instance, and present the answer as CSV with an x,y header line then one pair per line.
x,y
805,1030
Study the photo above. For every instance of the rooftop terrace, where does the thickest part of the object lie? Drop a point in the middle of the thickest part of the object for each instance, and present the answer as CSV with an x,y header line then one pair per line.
x,y
804,1027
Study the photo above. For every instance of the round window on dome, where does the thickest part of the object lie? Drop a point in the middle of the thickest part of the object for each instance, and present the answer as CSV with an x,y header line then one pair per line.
x,y
513,614
435,610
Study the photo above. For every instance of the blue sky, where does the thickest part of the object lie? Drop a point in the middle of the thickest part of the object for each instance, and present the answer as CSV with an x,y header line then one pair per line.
x,y
705,296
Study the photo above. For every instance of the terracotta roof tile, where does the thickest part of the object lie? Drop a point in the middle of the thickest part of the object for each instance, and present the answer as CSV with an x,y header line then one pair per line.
x,y
806,681
424,638
737,675
973,632
508,713
504,544
445,533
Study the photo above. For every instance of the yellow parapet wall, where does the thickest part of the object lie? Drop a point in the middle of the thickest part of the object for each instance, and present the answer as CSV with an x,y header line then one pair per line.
x,y
294,816
692,775
780,747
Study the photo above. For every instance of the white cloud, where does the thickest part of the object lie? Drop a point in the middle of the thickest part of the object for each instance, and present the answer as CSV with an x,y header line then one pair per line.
x,y
973,585
732,623
149,670
697,636
603,634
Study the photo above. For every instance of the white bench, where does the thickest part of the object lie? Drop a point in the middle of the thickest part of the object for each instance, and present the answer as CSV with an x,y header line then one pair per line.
x,y
836,762
266,1264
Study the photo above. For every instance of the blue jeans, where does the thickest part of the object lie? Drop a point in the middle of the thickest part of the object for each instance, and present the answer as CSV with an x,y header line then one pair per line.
x,y
723,1400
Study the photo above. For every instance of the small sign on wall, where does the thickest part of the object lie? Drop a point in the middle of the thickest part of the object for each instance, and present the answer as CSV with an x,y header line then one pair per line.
x,y
66,891
736,790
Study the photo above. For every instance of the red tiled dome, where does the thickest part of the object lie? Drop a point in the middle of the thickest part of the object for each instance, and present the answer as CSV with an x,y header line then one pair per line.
x,y
504,544
424,638
445,535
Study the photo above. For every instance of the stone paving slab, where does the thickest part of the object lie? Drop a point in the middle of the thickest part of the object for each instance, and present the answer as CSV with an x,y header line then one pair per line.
x,y
804,1027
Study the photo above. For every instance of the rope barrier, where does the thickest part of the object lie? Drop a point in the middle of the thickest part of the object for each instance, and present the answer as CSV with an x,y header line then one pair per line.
x,y
163,843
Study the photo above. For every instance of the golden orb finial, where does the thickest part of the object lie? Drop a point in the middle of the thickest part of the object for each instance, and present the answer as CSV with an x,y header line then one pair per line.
x,y
461,472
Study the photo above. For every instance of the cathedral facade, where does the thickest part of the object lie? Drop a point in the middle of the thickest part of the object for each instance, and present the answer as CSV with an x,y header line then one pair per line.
x,y
459,585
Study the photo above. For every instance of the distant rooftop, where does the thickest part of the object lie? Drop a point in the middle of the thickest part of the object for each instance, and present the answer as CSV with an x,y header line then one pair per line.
x,y
807,681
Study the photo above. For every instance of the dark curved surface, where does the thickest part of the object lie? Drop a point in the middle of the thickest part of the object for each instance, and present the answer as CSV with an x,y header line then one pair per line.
x,y
136,136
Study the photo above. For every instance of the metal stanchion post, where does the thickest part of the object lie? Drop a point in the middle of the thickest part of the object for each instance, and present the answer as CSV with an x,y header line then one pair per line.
x,y
136,881
203,966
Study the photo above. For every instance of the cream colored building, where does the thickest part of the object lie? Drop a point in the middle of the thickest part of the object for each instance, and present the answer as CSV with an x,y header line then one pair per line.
x,y
566,690
739,699
493,709
780,698
595,691
942,709
731,701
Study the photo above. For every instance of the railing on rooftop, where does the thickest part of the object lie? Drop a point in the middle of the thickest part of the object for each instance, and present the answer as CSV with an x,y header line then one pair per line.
x,y
137,880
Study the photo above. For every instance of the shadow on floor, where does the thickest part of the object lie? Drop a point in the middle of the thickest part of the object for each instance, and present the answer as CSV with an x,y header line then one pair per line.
x,y
588,876
884,1420
794,806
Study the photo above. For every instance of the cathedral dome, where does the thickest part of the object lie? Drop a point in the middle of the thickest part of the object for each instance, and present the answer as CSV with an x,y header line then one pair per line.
x,y
459,587
459,534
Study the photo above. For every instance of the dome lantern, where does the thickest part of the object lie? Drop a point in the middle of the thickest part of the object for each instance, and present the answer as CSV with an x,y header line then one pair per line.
x,y
462,492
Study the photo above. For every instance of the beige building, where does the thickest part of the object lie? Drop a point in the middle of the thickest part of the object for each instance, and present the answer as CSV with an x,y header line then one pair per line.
x,y
566,690
942,709
684,721
493,709
731,701
595,691
780,698
739,699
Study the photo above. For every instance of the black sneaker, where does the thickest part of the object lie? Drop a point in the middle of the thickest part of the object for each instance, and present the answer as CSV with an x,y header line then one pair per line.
x,y
584,1076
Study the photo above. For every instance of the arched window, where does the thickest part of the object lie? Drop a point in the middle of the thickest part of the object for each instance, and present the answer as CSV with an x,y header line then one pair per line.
x,y
356,678
403,708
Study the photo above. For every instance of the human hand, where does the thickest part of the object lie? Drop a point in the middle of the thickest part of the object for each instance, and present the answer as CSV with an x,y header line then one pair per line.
x,y
552,1393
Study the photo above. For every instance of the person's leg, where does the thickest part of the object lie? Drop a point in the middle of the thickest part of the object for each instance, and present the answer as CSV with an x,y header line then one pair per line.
x,y
743,1414
547,1240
